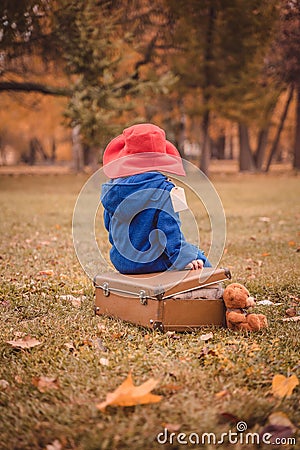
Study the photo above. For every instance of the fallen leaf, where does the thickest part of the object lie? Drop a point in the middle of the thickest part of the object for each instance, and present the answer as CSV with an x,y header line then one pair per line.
x,y
291,319
264,219
292,243
49,273
206,337
129,395
98,343
56,445
18,379
26,342
279,426
280,418
291,312
45,383
265,254
172,335
104,361
76,301
277,433
171,427
222,393
4,384
283,386
102,328
44,243
5,303
268,303
227,417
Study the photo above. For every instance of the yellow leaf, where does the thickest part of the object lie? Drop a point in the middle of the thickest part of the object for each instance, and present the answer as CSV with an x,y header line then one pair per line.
x,y
283,386
129,395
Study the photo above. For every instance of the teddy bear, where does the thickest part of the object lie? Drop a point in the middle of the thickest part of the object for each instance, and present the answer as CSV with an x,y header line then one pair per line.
x,y
237,300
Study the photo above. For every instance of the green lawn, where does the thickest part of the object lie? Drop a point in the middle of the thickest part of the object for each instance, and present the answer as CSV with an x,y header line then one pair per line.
x,y
206,386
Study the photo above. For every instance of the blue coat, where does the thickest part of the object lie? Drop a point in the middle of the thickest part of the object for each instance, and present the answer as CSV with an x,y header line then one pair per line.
x,y
144,230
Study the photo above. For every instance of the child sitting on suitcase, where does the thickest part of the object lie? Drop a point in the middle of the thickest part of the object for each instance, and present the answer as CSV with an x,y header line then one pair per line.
x,y
144,229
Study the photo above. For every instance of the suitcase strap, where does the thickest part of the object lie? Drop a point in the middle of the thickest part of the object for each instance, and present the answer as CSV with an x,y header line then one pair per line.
x,y
142,295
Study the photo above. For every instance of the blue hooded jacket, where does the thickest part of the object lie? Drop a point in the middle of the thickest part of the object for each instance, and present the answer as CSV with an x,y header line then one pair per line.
x,y
144,230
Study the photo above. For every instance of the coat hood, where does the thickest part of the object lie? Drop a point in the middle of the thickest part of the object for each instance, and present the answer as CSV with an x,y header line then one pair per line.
x,y
125,197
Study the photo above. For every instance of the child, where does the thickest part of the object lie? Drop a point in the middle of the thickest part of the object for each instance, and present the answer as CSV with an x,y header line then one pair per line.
x,y
144,229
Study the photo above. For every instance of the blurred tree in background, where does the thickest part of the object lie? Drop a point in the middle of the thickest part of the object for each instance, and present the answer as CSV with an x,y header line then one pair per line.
x,y
192,67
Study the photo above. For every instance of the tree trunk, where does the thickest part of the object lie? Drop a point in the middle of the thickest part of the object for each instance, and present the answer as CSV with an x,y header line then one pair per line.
x,y
279,130
246,160
77,149
205,154
221,147
296,162
261,148
32,153
53,151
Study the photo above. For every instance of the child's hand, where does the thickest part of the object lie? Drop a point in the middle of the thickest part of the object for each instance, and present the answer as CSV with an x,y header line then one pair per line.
x,y
195,264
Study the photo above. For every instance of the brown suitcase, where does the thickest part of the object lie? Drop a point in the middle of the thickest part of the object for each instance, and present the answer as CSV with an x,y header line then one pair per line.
x,y
174,300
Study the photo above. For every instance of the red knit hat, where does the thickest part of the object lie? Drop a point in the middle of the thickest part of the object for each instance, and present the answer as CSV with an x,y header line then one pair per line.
x,y
141,148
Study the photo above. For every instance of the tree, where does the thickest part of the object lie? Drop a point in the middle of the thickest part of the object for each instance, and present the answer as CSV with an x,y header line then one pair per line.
x,y
88,41
222,64
286,61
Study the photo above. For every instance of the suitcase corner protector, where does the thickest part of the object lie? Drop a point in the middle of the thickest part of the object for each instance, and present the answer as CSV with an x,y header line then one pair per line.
x,y
227,273
157,325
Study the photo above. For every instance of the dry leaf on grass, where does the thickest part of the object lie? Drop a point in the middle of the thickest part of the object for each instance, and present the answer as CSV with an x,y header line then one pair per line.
x,y
291,312
49,273
45,383
4,385
129,395
283,386
227,417
76,301
280,418
221,394
26,342
56,445
279,426
171,427
104,361
206,337
264,219
291,319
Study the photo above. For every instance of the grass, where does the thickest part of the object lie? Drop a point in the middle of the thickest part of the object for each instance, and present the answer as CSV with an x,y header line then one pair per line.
x,y
203,391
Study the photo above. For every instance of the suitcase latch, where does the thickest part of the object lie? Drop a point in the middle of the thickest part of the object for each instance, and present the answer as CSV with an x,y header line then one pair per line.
x,y
105,289
143,297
